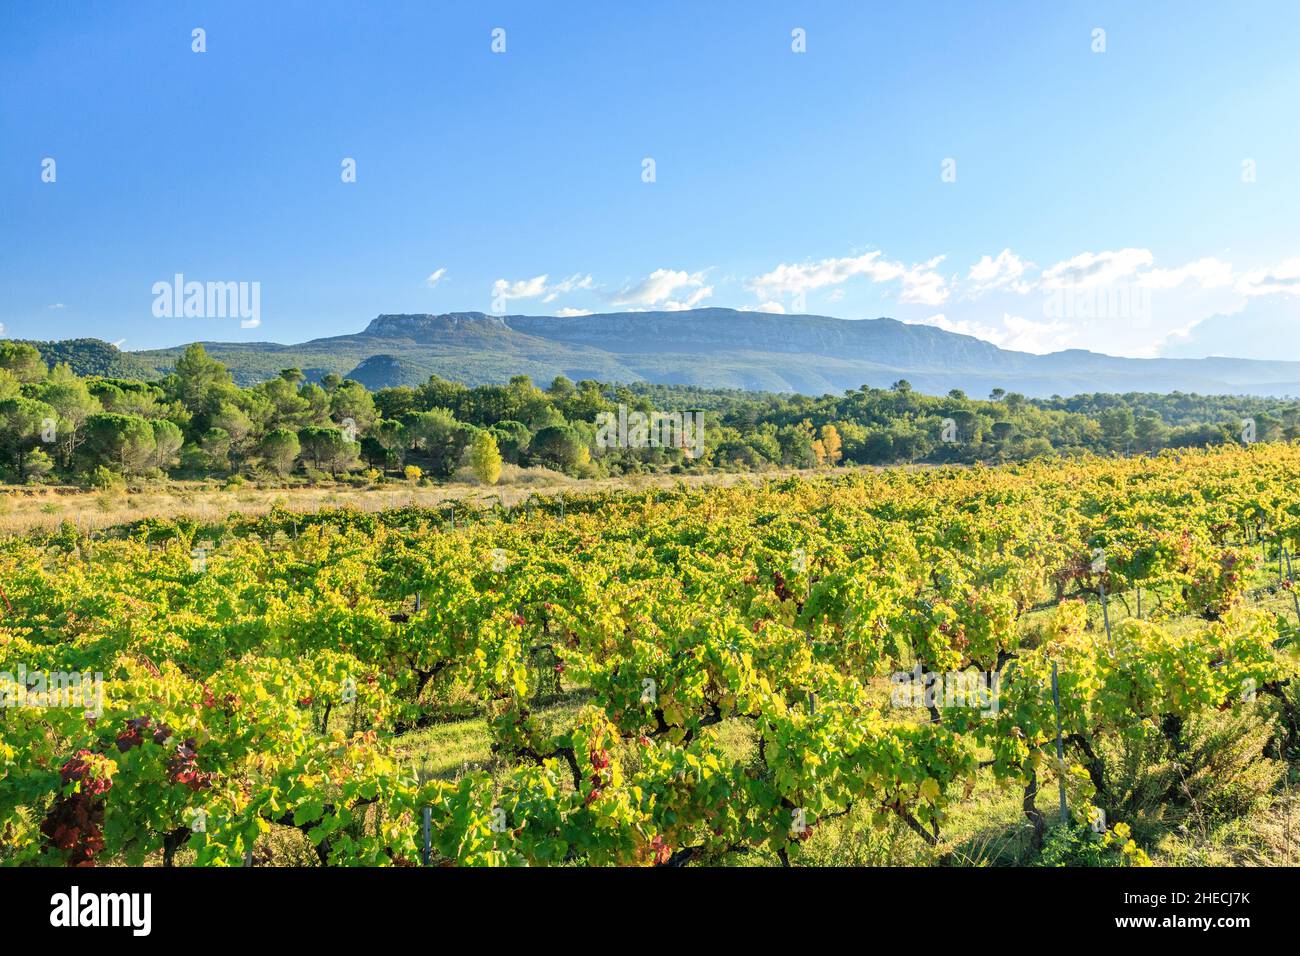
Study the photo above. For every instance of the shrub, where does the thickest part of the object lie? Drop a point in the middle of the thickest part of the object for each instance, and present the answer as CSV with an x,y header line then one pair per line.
x,y
1220,772
1076,844
107,480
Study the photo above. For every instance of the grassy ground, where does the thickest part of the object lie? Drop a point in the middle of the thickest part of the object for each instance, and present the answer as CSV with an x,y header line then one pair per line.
x,y
28,507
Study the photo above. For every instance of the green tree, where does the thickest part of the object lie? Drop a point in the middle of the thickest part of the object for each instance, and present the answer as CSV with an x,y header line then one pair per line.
x,y
167,442
9,387
1117,427
1002,431
437,435
234,421
215,446
280,448
1150,432
196,375
22,361
123,442
38,465
350,400
385,444
797,444
512,439
72,402
328,448
559,447
23,422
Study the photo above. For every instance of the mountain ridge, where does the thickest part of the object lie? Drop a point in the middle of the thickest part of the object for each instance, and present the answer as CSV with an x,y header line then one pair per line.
x,y
716,347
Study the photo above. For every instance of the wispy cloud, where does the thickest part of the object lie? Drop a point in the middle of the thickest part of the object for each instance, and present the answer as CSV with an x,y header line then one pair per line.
x,y
665,289
1006,271
1093,269
1208,273
1015,332
435,276
919,283
1283,278
576,281
538,286
520,289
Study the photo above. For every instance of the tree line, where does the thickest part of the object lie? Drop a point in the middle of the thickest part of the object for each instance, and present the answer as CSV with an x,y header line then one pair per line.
x,y
195,422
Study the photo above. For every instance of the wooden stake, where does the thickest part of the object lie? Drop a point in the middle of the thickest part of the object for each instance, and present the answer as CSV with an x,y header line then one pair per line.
x,y
1105,611
428,836
1060,748
1295,599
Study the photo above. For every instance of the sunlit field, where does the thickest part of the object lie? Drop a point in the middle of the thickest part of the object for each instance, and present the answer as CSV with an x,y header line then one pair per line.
x,y
848,669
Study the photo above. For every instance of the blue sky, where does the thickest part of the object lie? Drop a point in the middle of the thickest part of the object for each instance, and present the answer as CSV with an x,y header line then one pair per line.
x,y
1117,200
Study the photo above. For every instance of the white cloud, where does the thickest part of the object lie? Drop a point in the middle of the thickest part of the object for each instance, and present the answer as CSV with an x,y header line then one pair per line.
x,y
1091,269
960,326
1263,328
788,279
923,286
520,289
1208,272
435,277
56,305
1016,333
575,281
504,290
1117,301
920,283
662,289
1004,272
1023,335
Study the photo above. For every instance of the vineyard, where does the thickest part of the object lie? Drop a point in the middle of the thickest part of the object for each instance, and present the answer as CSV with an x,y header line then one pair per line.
x,y
713,675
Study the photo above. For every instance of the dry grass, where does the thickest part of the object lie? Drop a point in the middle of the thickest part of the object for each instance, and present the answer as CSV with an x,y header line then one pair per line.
x,y
27,508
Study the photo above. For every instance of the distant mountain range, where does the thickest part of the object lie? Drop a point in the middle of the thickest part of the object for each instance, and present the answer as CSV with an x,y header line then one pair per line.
x,y
717,348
